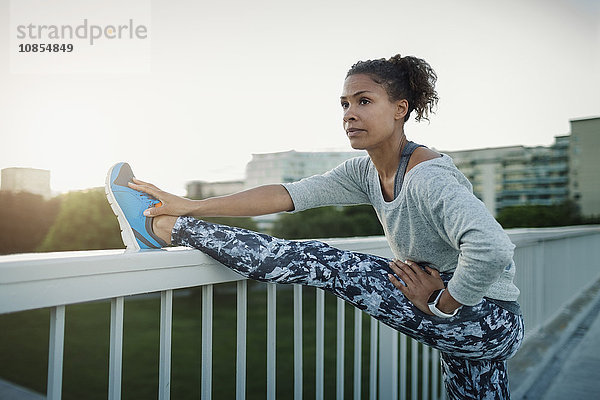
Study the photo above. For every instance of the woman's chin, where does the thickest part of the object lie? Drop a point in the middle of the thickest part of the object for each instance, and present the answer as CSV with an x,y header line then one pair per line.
x,y
356,145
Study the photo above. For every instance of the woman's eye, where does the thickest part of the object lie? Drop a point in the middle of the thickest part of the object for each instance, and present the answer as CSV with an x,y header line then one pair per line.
x,y
364,101
344,105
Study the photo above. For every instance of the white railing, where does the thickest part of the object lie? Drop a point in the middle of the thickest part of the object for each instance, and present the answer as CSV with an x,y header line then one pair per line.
x,y
553,266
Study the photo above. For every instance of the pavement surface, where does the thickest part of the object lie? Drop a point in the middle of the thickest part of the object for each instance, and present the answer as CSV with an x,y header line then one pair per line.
x,y
562,360
579,377
10,391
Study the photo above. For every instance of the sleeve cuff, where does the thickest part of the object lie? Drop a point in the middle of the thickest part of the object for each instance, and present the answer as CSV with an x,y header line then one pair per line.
x,y
463,294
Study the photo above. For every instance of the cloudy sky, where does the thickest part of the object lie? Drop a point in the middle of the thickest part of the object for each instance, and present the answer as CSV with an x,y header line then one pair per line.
x,y
214,82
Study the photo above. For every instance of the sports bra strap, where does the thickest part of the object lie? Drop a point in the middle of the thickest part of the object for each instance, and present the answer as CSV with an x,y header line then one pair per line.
x,y
404,158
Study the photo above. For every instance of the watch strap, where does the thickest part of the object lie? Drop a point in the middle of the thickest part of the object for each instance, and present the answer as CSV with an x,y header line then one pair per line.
x,y
433,305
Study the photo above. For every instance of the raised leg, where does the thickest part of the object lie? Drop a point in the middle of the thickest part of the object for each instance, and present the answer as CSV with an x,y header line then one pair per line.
x,y
484,331
475,379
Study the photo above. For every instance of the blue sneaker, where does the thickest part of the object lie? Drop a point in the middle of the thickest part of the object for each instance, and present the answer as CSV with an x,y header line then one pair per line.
x,y
129,205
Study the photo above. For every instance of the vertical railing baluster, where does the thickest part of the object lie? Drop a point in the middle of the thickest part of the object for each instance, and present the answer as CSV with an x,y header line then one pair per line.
x,y
271,340
116,348
207,331
414,369
166,324
320,345
435,376
402,372
394,351
373,361
55,352
242,323
297,342
388,363
443,390
425,372
357,353
339,376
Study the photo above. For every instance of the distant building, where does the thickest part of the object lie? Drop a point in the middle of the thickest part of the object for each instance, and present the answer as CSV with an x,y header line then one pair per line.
x,y
584,165
203,190
517,175
267,168
30,180
291,166
501,176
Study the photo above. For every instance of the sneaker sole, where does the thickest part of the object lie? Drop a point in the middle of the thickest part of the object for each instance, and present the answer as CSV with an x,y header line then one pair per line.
x,y
127,234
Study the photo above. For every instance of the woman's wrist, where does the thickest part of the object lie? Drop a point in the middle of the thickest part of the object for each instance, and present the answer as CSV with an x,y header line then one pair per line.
x,y
447,303
197,208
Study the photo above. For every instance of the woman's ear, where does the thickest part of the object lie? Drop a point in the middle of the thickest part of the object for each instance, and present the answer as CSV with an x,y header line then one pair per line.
x,y
401,109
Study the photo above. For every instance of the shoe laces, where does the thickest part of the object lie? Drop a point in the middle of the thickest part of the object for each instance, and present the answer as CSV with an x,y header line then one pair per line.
x,y
148,199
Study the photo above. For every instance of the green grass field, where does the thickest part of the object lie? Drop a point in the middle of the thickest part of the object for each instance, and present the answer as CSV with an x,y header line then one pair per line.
x,y
24,346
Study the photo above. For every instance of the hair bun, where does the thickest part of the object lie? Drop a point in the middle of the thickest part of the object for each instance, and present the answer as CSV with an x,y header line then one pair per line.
x,y
407,77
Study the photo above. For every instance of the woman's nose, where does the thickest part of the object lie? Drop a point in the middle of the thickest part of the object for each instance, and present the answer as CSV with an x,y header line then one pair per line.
x,y
349,115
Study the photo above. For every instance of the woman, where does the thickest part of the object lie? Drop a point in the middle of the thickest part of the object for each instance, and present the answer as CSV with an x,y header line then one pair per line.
x,y
457,293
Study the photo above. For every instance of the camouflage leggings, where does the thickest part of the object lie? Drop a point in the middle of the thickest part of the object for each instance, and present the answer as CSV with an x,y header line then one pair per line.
x,y
475,343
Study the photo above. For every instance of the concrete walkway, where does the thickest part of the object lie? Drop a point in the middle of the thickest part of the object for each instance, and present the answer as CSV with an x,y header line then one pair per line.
x,y
562,361
579,377
10,391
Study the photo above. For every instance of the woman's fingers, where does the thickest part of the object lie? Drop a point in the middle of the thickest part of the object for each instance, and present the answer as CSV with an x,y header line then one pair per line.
x,y
397,283
146,184
153,191
155,211
414,267
146,188
402,270
433,272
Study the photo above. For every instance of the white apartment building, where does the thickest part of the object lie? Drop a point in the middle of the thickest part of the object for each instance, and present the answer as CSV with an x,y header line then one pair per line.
x,y
30,180
517,175
501,176
203,190
291,166
584,165
542,175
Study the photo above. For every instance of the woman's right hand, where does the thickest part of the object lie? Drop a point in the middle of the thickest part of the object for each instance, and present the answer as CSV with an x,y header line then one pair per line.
x,y
170,203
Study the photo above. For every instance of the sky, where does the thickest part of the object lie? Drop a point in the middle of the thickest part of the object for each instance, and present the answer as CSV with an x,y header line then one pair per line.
x,y
214,82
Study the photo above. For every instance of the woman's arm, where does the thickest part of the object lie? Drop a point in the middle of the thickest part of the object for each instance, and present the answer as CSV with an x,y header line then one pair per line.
x,y
261,200
464,222
339,186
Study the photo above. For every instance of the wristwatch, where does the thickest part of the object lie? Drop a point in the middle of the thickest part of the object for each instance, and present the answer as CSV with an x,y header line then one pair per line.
x,y
433,301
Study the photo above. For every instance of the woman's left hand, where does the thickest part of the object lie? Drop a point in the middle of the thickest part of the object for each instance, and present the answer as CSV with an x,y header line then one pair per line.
x,y
417,284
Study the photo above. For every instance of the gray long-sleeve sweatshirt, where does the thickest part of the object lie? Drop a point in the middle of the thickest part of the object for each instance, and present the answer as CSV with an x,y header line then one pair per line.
x,y
435,220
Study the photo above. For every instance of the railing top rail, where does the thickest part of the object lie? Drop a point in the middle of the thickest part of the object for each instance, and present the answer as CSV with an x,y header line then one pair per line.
x,y
524,236
29,281
37,280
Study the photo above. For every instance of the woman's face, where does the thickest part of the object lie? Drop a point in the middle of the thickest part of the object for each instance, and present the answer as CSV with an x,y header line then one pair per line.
x,y
371,120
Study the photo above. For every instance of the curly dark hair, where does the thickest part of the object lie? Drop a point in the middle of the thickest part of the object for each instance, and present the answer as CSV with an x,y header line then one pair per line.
x,y
407,78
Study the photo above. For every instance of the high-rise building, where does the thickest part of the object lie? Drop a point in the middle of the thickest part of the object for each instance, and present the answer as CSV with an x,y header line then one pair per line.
x,y
584,165
517,175
30,180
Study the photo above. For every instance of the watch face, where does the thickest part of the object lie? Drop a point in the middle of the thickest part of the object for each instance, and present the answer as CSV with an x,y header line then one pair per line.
x,y
433,296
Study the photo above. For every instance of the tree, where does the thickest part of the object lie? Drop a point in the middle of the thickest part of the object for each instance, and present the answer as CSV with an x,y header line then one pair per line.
x,y
240,222
85,222
531,216
25,218
327,222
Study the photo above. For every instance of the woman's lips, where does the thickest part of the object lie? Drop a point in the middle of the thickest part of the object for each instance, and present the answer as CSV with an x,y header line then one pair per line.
x,y
354,132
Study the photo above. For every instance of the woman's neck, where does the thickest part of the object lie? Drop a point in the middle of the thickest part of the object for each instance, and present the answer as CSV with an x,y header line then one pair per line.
x,y
387,158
